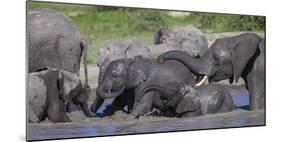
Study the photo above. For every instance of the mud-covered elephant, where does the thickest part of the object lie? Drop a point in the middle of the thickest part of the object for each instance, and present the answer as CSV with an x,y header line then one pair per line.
x,y
125,49
205,99
194,101
48,93
231,58
126,79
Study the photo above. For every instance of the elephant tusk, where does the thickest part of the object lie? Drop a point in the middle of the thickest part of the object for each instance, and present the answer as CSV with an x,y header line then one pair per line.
x,y
205,78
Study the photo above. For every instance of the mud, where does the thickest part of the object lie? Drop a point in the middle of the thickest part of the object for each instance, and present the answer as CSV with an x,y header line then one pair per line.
x,y
122,123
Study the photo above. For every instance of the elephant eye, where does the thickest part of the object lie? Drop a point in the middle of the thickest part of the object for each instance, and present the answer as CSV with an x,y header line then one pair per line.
x,y
115,74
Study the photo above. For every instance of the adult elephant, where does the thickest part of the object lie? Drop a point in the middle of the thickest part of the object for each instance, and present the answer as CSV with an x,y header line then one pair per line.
x,y
127,80
231,58
48,92
188,39
53,41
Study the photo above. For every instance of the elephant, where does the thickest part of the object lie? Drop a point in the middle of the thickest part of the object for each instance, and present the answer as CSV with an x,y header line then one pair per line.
x,y
127,80
231,58
125,49
49,91
55,42
188,39
205,99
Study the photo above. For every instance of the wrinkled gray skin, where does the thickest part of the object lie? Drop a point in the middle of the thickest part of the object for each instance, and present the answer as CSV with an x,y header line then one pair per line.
x,y
205,99
211,98
49,91
188,39
231,58
53,41
127,49
138,75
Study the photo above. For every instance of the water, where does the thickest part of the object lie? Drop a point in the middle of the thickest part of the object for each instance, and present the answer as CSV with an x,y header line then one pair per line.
x,y
236,118
123,124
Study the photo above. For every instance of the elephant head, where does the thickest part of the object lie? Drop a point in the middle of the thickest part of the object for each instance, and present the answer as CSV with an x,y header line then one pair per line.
x,y
127,49
190,101
227,58
71,90
120,75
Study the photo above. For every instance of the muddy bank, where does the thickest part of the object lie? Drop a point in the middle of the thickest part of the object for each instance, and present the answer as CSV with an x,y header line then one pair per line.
x,y
122,123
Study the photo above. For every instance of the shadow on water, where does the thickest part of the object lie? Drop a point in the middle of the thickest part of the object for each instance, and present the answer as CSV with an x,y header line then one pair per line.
x,y
94,127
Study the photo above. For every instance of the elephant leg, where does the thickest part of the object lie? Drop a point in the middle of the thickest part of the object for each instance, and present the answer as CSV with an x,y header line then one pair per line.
x,y
96,104
158,102
72,107
55,111
32,117
256,85
144,105
256,91
130,99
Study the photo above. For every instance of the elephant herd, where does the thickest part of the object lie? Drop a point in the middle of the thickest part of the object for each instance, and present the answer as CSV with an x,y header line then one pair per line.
x,y
138,77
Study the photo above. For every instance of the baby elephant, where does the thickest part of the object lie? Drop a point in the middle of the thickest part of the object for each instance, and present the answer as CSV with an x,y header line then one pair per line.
x,y
205,99
48,93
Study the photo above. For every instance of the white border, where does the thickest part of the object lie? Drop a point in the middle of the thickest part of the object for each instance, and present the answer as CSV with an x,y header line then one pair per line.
x,y
12,56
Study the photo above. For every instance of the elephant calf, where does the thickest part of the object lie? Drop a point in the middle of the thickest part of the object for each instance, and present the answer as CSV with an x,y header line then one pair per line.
x,y
205,99
202,100
49,91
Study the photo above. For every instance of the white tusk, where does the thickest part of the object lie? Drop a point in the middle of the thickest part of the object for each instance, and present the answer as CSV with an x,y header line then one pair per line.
x,y
205,78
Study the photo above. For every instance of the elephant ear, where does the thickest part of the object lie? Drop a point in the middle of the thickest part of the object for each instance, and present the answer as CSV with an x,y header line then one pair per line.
x,y
137,74
190,101
188,104
69,84
242,53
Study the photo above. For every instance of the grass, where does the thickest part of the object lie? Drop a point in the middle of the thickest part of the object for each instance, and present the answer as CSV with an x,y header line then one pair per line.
x,y
101,25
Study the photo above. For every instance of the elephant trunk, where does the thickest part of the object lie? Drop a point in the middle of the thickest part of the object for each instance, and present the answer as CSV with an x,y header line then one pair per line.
x,y
96,104
105,94
86,110
200,66
196,65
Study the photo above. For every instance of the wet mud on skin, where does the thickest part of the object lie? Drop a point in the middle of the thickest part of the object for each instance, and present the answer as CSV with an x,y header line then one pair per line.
x,y
122,123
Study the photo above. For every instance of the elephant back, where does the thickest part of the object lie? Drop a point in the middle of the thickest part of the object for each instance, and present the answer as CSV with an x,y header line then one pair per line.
x,y
188,39
53,41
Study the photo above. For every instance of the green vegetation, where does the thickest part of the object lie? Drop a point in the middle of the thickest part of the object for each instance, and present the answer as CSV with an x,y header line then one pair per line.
x,y
101,25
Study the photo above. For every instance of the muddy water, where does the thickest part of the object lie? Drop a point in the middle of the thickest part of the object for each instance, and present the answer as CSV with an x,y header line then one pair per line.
x,y
123,123
96,127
